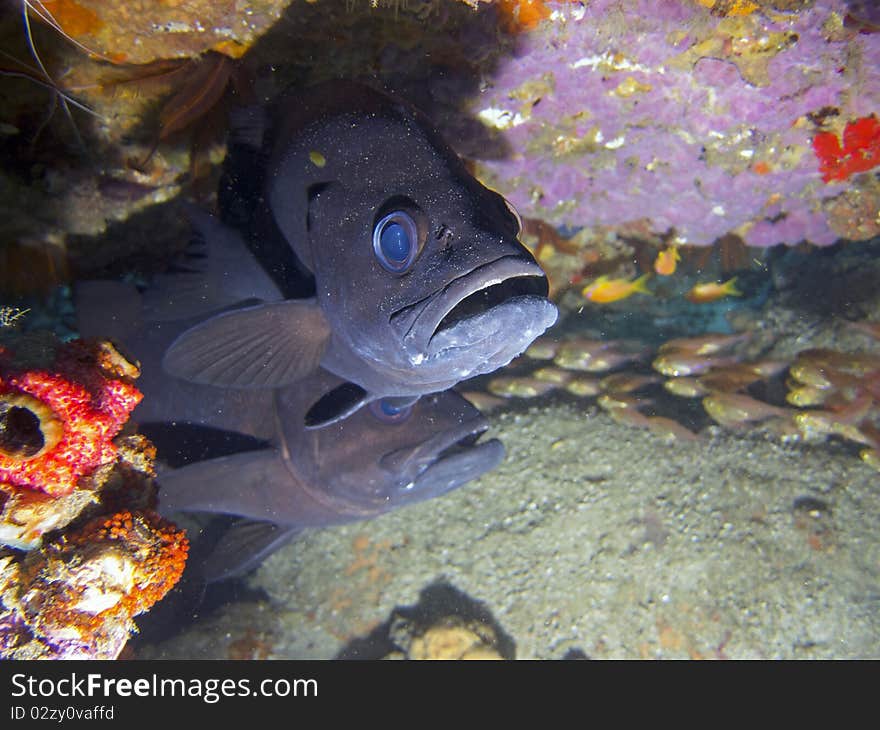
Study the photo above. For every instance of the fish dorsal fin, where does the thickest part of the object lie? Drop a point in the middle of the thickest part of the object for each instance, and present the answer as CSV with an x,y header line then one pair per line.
x,y
248,125
264,346
217,271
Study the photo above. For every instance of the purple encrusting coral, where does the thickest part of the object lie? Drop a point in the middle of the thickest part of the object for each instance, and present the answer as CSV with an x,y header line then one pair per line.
x,y
620,110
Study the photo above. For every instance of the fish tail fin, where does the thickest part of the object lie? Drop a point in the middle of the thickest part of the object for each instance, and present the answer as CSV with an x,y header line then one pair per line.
x,y
107,308
249,484
730,289
641,284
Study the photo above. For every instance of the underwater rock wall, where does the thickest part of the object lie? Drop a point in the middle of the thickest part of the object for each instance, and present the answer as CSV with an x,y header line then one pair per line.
x,y
147,30
676,122
700,118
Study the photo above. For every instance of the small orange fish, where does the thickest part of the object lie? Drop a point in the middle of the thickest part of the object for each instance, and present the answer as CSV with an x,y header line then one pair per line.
x,y
735,410
711,292
511,386
869,328
605,290
628,417
871,457
706,344
686,386
622,401
626,382
666,260
583,386
680,364
729,379
671,430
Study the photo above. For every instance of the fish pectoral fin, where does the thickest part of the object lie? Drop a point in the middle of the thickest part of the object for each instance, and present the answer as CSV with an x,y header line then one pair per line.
x,y
245,545
335,404
264,346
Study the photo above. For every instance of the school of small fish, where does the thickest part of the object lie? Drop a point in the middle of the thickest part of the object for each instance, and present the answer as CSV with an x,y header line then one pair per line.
x,y
827,392
606,290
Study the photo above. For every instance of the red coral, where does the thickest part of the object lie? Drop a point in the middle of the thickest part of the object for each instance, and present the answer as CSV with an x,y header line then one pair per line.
x,y
156,548
76,597
860,151
520,15
90,407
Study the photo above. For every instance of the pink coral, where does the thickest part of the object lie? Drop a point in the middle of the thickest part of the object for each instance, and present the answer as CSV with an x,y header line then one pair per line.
x,y
700,122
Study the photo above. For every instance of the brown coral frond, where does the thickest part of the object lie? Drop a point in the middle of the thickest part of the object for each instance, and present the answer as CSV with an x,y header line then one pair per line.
x,y
197,96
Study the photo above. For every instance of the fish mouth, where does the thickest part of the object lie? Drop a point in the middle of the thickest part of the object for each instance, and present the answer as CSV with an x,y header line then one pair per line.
x,y
461,313
456,467
446,460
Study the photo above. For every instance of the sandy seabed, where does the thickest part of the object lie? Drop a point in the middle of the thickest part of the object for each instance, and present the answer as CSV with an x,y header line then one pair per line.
x,y
595,539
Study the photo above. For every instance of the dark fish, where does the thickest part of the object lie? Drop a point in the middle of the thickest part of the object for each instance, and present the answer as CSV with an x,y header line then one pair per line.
x,y
378,459
420,281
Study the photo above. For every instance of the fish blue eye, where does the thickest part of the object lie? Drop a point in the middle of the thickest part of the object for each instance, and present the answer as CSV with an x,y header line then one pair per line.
x,y
396,242
388,412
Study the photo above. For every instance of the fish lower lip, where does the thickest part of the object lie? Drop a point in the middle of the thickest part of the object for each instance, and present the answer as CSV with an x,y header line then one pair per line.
x,y
454,469
458,439
470,295
505,327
